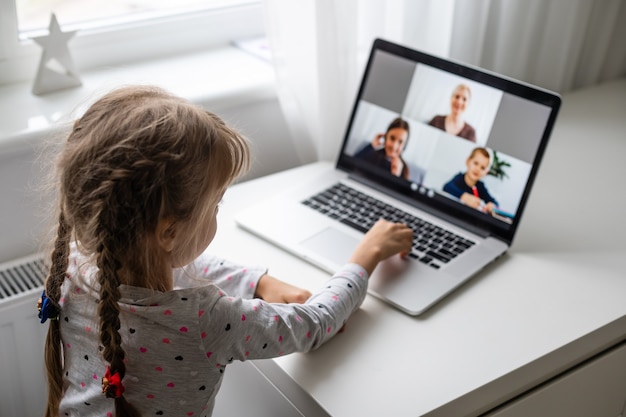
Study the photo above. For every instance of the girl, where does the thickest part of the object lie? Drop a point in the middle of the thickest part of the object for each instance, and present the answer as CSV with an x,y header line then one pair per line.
x,y
142,321
385,151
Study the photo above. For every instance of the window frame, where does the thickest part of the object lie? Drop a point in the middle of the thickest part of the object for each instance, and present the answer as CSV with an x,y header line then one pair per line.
x,y
131,42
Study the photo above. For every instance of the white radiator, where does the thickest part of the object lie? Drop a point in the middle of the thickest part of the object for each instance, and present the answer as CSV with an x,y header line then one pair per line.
x,y
22,378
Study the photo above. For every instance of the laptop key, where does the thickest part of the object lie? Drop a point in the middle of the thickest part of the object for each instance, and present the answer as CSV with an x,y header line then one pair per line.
x,y
426,259
446,253
354,225
438,256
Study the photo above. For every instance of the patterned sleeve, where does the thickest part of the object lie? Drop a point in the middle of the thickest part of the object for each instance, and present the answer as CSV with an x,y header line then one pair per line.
x,y
235,280
253,329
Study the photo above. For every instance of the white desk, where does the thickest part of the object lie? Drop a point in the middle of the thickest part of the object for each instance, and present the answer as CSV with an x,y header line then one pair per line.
x,y
556,299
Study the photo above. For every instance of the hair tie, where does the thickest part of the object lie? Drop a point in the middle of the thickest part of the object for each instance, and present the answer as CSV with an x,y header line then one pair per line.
x,y
112,384
47,309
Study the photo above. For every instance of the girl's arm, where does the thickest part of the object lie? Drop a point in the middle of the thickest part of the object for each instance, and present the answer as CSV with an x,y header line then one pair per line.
x,y
258,329
233,279
244,329
274,290
241,281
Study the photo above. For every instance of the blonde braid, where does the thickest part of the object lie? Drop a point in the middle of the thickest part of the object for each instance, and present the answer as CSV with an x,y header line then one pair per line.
x,y
109,265
53,355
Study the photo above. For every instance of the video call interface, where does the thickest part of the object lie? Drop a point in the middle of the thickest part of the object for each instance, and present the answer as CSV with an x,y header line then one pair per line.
x,y
446,135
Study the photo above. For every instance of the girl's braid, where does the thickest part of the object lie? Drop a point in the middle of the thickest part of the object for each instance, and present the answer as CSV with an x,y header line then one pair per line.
x,y
53,355
109,245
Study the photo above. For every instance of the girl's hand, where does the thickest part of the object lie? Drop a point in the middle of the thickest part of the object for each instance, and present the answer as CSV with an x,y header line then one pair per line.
x,y
383,240
273,290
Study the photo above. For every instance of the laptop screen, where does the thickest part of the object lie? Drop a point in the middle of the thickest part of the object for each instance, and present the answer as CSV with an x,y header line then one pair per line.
x,y
458,139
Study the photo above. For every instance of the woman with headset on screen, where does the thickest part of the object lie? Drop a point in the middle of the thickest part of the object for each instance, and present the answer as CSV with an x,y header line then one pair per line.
x,y
386,149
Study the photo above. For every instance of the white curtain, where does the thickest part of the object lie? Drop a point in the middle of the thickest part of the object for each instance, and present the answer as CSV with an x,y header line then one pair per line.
x,y
320,47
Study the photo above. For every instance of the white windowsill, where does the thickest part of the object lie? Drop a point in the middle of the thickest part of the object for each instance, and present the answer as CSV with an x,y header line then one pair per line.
x,y
218,79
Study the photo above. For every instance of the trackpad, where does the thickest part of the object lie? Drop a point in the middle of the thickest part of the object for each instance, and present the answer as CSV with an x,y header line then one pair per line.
x,y
332,244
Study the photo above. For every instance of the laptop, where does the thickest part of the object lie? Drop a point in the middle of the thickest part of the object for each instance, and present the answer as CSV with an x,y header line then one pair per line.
x,y
462,186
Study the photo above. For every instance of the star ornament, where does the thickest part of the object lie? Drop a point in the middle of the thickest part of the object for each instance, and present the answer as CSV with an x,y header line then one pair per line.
x,y
56,69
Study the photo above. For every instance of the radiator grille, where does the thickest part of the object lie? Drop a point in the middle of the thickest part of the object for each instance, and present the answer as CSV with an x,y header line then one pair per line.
x,y
22,338
21,277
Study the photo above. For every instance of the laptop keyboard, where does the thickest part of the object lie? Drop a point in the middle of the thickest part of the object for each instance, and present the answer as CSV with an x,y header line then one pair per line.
x,y
432,244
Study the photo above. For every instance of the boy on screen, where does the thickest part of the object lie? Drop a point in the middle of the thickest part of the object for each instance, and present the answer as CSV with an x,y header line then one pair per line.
x,y
468,186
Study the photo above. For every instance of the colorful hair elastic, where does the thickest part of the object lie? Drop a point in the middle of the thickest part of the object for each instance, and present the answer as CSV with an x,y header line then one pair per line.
x,y
47,309
112,384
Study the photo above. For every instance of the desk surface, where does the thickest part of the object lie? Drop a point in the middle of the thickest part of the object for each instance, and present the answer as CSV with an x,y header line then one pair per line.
x,y
555,299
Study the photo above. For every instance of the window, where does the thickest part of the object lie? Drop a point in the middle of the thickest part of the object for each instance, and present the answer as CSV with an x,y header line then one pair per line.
x,y
113,32
34,15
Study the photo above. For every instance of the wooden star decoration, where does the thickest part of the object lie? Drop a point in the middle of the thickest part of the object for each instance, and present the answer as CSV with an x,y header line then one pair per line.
x,y
56,69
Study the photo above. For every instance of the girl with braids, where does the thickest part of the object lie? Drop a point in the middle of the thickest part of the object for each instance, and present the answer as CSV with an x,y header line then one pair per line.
x,y
143,321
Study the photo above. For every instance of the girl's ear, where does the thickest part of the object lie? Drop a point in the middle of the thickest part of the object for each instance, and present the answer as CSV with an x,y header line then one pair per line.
x,y
166,234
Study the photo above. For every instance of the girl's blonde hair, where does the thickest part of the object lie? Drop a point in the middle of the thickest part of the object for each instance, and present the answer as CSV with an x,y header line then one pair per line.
x,y
137,155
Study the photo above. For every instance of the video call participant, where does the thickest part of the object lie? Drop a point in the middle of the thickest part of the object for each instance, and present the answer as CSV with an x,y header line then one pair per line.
x,y
385,151
454,123
468,186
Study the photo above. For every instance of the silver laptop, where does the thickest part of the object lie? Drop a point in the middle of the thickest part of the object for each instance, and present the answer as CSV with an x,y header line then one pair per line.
x,y
448,149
